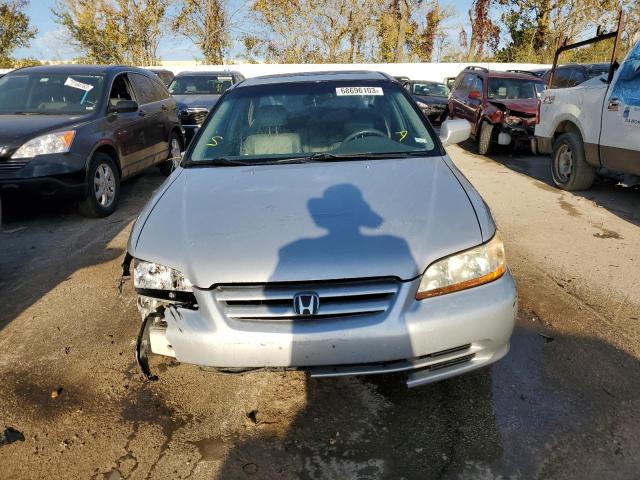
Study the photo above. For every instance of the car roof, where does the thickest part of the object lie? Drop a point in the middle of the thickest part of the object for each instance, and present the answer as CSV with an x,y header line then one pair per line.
x,y
205,73
74,69
316,77
427,81
521,76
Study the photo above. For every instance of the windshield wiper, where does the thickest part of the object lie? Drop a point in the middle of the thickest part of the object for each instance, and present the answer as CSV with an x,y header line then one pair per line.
x,y
217,162
29,113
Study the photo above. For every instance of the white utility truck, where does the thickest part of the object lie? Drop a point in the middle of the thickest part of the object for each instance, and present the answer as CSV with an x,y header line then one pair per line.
x,y
593,125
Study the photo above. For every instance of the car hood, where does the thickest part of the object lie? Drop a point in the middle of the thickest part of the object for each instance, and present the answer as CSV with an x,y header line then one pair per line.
x,y
17,129
526,106
297,222
431,100
207,101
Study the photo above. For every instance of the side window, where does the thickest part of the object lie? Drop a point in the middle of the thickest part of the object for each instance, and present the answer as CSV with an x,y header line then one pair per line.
x,y
144,88
562,78
160,91
457,84
477,85
578,77
467,82
120,90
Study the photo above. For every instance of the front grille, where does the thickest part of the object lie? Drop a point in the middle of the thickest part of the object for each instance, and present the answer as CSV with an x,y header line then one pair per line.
x,y
274,302
193,116
10,165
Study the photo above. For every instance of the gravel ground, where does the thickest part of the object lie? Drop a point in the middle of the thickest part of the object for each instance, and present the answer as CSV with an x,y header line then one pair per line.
x,y
563,404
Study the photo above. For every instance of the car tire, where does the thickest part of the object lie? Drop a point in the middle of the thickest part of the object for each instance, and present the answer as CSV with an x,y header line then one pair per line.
x,y
485,138
103,182
569,168
175,149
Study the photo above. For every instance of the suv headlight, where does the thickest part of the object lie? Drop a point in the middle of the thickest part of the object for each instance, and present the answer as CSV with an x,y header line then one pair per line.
x,y
59,142
153,276
512,120
476,266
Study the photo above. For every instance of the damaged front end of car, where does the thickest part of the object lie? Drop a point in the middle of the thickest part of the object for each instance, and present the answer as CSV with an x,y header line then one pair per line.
x,y
515,128
159,289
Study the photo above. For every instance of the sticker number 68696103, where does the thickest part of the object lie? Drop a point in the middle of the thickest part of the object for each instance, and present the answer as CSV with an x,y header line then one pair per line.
x,y
340,91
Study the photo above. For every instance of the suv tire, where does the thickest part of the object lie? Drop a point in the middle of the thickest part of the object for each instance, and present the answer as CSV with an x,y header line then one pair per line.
x,y
569,169
175,148
484,140
103,181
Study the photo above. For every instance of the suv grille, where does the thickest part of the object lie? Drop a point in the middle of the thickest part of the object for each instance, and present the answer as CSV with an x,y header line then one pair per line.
x,y
9,165
193,116
273,302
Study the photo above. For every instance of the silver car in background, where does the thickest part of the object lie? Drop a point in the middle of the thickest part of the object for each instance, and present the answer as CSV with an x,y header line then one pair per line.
x,y
317,222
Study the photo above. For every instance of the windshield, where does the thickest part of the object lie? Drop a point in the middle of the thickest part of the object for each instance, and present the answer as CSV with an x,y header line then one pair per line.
x,y
513,89
49,93
433,89
273,122
200,84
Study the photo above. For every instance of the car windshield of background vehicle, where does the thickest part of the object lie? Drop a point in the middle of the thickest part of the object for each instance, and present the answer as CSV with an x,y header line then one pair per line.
x,y
49,93
513,89
296,121
200,85
432,89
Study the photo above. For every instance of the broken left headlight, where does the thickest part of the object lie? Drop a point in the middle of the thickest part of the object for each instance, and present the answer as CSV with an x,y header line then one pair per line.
x,y
154,276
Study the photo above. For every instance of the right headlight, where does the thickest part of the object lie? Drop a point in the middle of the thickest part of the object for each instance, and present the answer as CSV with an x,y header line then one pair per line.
x,y
154,276
476,266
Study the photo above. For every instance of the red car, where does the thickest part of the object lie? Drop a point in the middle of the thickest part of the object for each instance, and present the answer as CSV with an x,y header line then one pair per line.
x,y
502,107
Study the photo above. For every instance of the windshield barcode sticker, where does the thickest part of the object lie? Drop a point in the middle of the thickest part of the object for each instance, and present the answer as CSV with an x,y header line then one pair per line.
x,y
341,91
70,82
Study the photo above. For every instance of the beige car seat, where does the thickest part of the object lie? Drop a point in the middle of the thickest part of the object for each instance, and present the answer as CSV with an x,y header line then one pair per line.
x,y
270,120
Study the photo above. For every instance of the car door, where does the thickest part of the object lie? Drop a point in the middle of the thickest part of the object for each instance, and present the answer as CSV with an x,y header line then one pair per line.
x,y
150,118
126,126
473,105
460,94
620,132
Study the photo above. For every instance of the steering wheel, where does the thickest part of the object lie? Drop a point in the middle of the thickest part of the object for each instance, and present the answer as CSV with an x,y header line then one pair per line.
x,y
370,132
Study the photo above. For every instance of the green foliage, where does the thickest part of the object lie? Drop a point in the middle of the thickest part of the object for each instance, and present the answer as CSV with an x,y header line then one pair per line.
x,y
206,24
15,29
114,31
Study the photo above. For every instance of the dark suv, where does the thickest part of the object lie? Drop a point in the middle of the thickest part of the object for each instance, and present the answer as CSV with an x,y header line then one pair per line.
x,y
76,131
570,75
501,106
197,93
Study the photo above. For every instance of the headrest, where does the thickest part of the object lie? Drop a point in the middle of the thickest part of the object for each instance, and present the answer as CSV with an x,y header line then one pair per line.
x,y
270,116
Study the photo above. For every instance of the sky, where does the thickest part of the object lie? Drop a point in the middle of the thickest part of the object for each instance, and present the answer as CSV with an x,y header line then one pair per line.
x,y
50,43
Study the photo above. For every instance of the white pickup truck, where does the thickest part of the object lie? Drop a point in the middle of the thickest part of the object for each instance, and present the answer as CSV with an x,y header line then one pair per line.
x,y
592,125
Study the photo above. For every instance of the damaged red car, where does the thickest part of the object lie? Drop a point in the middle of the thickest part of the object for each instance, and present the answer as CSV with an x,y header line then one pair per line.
x,y
502,107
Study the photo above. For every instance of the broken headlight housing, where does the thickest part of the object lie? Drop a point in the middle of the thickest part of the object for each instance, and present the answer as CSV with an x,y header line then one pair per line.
x,y
476,266
149,276
512,120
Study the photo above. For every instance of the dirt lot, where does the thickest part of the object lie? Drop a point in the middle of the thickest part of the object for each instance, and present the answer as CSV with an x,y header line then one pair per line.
x,y
564,403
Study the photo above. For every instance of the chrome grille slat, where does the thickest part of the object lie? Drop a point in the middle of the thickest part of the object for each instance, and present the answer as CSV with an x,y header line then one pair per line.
x,y
273,302
193,116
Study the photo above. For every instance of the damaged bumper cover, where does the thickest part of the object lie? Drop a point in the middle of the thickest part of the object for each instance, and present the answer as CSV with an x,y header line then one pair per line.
x,y
430,340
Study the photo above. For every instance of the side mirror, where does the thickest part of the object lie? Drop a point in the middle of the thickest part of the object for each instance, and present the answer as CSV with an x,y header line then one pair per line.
x,y
454,131
124,106
475,95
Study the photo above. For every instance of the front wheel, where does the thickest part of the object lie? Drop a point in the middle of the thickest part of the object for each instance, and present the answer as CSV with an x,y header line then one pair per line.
x,y
569,169
103,181
175,149
486,135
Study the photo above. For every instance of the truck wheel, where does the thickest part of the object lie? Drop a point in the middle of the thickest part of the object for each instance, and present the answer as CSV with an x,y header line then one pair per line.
x,y
103,181
175,148
484,141
569,169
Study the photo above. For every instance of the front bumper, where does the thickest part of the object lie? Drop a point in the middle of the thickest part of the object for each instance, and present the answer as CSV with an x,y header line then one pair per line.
x,y
57,174
431,339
